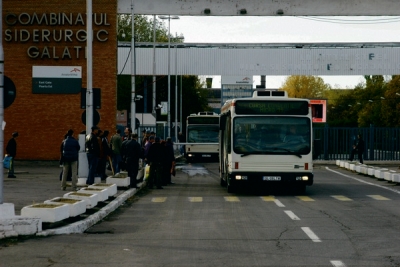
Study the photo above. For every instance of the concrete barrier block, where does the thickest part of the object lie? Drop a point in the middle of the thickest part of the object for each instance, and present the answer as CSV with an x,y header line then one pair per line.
x,y
119,181
347,165
396,178
358,168
91,199
371,171
352,167
388,175
76,206
27,226
342,164
380,173
111,188
7,210
48,212
102,194
363,169
338,162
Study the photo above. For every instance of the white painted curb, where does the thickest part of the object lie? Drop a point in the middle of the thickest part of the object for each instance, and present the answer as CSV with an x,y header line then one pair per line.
x,y
81,226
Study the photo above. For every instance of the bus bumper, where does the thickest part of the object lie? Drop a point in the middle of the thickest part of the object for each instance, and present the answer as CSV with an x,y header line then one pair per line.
x,y
260,179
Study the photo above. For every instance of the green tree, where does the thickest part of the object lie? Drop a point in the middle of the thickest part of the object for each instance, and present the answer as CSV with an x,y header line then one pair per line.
x,y
300,86
372,100
362,106
391,107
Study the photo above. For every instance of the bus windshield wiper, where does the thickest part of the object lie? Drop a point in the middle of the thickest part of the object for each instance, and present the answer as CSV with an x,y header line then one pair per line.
x,y
288,150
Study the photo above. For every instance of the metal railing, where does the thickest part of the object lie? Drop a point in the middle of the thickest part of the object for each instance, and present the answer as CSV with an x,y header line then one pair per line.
x,y
337,142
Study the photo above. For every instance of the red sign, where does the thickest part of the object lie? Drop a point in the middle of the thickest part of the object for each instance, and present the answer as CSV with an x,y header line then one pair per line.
x,y
318,108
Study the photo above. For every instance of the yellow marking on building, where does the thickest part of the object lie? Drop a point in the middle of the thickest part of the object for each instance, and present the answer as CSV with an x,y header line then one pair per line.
x,y
378,197
342,198
195,199
232,199
158,199
305,198
268,198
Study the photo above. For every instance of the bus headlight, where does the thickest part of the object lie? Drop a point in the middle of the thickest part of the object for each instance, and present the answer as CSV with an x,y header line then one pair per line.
x,y
301,178
240,177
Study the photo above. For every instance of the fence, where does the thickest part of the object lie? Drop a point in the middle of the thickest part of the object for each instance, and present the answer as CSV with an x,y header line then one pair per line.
x,y
337,142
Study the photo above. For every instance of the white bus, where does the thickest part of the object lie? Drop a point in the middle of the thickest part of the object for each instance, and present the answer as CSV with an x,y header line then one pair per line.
x,y
202,131
266,140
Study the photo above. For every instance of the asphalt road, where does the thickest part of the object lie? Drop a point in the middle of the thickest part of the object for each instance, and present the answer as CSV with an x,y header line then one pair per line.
x,y
344,219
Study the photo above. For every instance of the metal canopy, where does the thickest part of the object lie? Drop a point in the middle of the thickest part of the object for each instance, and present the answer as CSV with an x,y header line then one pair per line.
x,y
262,7
264,59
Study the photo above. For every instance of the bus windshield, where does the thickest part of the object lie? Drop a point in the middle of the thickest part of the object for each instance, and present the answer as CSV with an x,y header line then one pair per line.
x,y
271,135
202,133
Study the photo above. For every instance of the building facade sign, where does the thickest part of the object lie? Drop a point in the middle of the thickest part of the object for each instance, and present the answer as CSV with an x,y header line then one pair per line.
x,y
45,28
45,57
56,79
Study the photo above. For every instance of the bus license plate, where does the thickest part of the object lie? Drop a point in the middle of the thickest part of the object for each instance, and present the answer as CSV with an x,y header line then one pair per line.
x,y
206,156
271,178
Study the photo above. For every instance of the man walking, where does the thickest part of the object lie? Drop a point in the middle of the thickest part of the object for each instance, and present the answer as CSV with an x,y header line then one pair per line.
x,y
132,152
359,149
92,153
11,149
116,143
70,160
156,157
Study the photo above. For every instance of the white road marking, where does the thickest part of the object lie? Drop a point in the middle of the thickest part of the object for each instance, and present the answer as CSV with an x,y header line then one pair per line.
x,y
196,199
378,197
342,198
158,199
292,215
338,264
232,199
311,234
361,181
278,203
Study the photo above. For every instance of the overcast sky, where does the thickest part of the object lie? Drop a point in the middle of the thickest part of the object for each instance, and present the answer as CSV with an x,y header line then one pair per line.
x,y
288,30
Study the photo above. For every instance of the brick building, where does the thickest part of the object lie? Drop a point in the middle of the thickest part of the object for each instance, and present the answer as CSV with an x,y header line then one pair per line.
x,y
46,34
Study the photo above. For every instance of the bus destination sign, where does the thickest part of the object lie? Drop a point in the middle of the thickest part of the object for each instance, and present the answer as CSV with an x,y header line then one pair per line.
x,y
271,107
203,120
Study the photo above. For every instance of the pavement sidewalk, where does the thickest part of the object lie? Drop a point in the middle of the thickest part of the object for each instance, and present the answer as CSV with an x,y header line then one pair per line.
x,y
36,182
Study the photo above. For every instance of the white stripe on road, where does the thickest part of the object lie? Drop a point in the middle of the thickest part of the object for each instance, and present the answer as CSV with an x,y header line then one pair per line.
x,y
311,234
361,181
338,264
278,203
292,215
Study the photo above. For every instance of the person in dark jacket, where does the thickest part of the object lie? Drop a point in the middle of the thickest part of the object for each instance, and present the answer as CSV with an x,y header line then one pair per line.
x,y
11,149
105,153
156,158
131,152
169,163
92,153
358,148
70,160
69,177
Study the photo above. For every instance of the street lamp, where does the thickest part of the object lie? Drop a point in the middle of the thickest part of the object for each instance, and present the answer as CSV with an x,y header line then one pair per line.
x,y
169,17
176,88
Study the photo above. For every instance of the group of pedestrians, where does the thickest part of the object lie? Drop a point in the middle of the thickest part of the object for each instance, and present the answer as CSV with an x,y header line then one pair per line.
x,y
159,154
123,153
